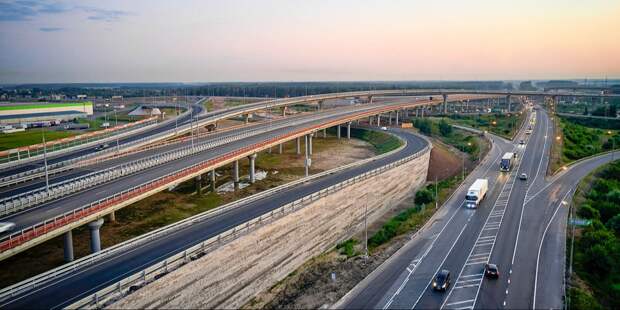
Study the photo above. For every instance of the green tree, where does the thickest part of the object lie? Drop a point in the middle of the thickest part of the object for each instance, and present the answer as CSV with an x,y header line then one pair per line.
x,y
614,224
444,128
423,196
586,211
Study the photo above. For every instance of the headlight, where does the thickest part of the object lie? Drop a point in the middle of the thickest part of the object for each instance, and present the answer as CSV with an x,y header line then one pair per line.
x,y
444,285
434,284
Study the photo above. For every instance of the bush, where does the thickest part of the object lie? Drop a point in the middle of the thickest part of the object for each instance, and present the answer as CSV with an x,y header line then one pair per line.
x,y
581,300
424,125
444,128
347,247
614,224
587,212
423,196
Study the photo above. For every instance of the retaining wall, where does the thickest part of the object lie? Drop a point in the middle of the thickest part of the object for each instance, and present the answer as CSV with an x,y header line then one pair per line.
x,y
231,275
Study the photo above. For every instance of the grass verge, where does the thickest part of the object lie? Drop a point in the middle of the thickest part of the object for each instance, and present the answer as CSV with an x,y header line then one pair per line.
x,y
31,136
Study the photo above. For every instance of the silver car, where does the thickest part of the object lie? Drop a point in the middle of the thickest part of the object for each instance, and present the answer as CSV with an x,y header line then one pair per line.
x,y
523,176
6,227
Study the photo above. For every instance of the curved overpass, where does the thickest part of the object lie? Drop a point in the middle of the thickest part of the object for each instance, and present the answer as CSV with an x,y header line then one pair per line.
x,y
63,290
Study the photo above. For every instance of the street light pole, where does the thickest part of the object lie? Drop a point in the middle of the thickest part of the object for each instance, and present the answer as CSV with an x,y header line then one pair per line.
x,y
47,178
365,228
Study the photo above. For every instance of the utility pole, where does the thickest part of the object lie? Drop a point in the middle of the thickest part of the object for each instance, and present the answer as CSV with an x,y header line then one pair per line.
x,y
436,195
47,178
116,125
365,228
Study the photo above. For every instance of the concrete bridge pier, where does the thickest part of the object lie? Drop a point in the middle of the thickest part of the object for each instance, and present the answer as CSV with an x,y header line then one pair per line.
x,y
310,143
422,111
370,121
284,111
319,105
112,216
68,248
417,110
280,148
307,161
198,182
378,120
95,240
212,180
348,131
445,103
298,149
246,118
236,174
508,102
252,159
338,131
397,118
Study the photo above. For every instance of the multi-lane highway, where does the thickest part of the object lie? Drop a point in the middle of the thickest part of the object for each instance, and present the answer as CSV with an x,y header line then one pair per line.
x,y
507,230
63,291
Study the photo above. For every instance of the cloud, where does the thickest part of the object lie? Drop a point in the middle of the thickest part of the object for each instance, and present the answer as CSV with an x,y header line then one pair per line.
x,y
105,15
51,29
26,10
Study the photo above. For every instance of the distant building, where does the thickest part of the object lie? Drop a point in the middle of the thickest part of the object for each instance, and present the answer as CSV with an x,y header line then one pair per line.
x,y
13,113
145,111
81,97
526,85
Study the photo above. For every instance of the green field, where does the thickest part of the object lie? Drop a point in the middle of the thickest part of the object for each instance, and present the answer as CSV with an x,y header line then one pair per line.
x,y
30,137
44,105
499,124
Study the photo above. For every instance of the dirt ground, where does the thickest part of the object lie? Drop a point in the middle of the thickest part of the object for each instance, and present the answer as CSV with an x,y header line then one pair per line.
x,y
170,206
443,163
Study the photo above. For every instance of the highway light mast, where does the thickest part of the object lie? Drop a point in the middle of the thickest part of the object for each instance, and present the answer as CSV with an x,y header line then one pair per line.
x,y
47,179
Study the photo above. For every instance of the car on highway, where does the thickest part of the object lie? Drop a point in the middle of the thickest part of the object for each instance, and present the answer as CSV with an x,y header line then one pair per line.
x,y
523,176
491,271
383,128
102,147
442,280
522,142
6,227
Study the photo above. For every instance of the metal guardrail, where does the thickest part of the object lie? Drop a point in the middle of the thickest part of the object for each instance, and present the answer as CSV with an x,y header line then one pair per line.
x,y
21,154
68,268
66,165
45,227
37,196
137,280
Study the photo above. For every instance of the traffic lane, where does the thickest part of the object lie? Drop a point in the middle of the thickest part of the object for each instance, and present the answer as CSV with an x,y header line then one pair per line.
x,y
454,259
492,294
389,278
63,291
411,291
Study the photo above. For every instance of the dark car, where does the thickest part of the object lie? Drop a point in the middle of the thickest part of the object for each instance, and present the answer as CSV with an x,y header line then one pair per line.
x,y
491,271
442,280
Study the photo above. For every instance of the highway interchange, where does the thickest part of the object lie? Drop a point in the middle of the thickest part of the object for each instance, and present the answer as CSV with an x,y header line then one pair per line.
x,y
501,231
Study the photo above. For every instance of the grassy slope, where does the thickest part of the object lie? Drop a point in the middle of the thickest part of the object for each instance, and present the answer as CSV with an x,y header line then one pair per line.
x,y
504,126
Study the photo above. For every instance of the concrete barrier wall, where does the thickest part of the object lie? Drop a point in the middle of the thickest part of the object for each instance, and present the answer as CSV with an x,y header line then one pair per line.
x,y
231,275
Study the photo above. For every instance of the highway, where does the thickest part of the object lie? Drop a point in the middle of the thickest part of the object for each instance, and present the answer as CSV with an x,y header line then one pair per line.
x,y
197,109
507,230
61,292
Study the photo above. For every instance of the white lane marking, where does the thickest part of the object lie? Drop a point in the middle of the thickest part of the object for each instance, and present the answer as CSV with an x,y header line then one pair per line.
x,y
459,302
473,275
402,285
468,286
542,240
444,260
541,157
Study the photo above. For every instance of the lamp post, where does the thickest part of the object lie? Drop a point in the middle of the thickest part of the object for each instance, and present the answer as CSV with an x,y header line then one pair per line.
x,y
47,179
613,144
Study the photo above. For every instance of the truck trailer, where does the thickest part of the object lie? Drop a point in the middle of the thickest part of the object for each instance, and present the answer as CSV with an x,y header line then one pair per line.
x,y
476,193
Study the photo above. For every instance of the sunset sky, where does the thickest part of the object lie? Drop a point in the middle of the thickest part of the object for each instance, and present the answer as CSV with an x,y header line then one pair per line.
x,y
231,40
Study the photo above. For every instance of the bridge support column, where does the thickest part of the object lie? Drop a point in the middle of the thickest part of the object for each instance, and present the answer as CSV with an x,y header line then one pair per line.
x,y
112,216
252,159
280,148
307,161
95,241
396,118
324,133
338,131
370,121
390,118
422,112
508,102
349,130
310,143
246,118
417,110
236,174
445,103
319,105
284,111
68,249
298,151
378,120
212,180
198,182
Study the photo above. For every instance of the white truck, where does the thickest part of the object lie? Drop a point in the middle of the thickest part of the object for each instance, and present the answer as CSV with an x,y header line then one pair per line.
x,y
476,193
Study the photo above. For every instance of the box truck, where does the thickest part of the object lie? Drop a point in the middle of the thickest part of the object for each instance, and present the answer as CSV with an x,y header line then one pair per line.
x,y
476,193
